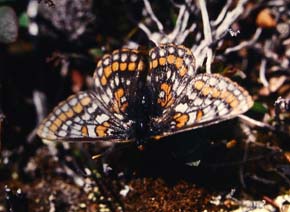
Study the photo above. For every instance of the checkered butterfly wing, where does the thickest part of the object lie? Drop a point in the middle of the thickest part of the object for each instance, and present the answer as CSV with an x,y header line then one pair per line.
x,y
188,101
107,111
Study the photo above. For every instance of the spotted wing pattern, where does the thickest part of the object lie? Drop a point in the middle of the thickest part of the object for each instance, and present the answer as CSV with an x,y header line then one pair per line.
x,y
82,118
171,68
101,114
208,99
129,97
118,79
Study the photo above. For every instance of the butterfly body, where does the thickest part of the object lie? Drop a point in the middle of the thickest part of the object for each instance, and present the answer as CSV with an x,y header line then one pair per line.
x,y
139,97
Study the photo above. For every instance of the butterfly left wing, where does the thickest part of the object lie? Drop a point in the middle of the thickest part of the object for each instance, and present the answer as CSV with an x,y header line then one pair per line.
x,y
105,113
82,118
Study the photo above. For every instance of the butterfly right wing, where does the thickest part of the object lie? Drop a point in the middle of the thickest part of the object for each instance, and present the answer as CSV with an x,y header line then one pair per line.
x,y
182,100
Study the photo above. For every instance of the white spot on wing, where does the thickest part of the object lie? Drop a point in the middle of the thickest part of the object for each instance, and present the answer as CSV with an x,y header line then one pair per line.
x,y
106,61
168,74
77,127
116,57
65,107
162,52
62,133
171,50
86,116
102,118
73,101
213,81
180,52
187,61
222,85
91,130
197,101
133,57
123,57
100,71
181,108
97,82
64,127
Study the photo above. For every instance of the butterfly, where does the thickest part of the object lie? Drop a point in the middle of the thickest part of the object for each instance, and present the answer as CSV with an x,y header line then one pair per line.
x,y
138,97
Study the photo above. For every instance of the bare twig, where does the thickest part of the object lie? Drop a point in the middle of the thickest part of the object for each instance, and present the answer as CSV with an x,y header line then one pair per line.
x,y
39,100
262,73
245,43
177,35
254,123
242,167
222,14
152,15
207,34
230,17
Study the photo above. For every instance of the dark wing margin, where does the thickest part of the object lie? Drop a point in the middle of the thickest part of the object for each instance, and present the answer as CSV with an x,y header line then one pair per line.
x,y
82,118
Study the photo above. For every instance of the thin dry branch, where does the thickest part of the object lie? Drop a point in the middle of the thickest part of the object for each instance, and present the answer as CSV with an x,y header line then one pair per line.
x,y
245,44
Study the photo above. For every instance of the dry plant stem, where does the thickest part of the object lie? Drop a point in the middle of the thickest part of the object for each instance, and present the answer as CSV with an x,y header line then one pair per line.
x,y
178,34
245,43
182,10
213,31
230,17
254,123
39,100
220,27
242,167
207,34
262,73
152,15
222,14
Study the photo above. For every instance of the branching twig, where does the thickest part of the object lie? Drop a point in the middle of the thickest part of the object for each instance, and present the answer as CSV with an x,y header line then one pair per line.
x,y
152,15
207,34
245,43
254,123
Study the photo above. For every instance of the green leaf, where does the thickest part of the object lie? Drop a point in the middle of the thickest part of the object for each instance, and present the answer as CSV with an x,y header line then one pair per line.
x,y
23,20
96,52
259,108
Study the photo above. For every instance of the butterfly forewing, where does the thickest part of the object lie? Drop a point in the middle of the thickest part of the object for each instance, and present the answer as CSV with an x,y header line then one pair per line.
x,y
171,68
81,117
118,79
208,99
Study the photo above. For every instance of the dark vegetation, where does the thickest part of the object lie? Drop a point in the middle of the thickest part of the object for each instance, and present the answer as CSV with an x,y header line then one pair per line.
x,y
49,49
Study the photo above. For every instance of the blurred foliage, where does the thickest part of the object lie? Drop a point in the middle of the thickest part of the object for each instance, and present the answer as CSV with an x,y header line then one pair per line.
x,y
259,107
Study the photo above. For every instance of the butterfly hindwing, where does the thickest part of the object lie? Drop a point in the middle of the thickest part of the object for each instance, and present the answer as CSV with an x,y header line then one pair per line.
x,y
82,118
208,99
